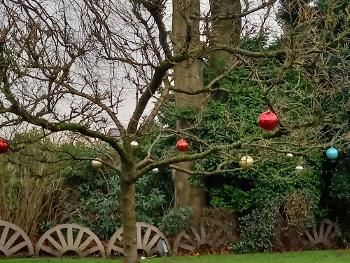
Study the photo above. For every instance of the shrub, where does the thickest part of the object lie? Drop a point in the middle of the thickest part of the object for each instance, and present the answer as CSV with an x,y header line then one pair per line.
x,y
298,210
96,201
259,229
297,215
340,186
30,183
175,220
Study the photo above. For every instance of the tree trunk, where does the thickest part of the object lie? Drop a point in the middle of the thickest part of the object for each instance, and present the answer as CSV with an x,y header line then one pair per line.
x,y
128,214
223,32
187,194
188,75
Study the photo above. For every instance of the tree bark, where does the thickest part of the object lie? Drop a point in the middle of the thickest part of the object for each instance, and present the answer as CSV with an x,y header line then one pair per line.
x,y
187,194
223,32
188,75
129,213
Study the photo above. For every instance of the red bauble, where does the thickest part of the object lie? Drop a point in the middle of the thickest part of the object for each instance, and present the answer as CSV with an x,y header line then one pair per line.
x,y
4,146
182,145
268,120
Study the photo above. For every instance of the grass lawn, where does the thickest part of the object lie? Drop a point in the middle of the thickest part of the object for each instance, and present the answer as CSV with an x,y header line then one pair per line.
x,y
336,256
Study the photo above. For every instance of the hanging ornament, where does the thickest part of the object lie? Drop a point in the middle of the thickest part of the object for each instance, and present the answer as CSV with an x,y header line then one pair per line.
x,y
332,153
290,155
4,146
155,170
246,162
268,120
96,163
182,145
134,144
299,168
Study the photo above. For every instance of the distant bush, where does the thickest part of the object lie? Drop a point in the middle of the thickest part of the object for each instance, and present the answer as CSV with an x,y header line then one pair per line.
x,y
175,220
96,196
259,229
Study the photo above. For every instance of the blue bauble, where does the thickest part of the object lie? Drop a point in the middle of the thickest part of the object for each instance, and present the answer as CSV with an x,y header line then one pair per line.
x,y
332,153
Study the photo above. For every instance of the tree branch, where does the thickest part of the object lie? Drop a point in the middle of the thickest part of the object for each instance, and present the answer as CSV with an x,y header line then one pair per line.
x,y
158,105
98,102
191,172
238,15
185,157
156,81
252,54
210,87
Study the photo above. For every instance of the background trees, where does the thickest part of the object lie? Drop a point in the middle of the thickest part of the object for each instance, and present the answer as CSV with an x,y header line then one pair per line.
x,y
69,66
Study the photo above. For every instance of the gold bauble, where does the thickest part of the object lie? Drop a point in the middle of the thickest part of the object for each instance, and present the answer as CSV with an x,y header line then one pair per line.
x,y
246,162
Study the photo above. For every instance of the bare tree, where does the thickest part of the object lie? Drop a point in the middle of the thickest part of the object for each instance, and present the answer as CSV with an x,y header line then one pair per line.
x,y
69,65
